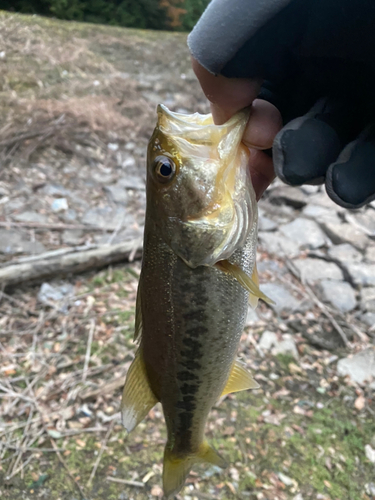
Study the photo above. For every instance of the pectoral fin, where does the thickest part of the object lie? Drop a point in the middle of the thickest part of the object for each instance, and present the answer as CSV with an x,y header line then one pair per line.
x,y
239,380
253,299
243,279
137,397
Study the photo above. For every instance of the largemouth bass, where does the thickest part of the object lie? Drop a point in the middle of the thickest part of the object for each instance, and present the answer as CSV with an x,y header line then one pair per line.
x,y
198,271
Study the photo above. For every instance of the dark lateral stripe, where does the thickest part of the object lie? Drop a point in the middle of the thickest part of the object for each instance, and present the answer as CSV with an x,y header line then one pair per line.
x,y
196,315
189,388
186,376
192,343
197,331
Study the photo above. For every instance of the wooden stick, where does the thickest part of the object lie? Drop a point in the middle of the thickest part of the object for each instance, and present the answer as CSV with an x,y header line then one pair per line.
x,y
52,226
128,482
102,448
74,262
88,349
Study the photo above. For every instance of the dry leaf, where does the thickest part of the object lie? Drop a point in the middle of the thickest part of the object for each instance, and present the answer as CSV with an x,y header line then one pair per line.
x,y
360,403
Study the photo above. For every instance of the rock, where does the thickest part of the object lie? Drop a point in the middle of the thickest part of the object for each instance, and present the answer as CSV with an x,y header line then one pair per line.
x,y
339,293
252,316
72,236
370,253
69,215
345,253
288,481
321,214
345,233
368,318
30,216
361,273
55,190
117,194
368,299
312,270
107,217
285,303
360,367
59,205
370,489
269,341
275,244
288,195
133,182
13,242
365,221
370,453
305,233
266,224
54,293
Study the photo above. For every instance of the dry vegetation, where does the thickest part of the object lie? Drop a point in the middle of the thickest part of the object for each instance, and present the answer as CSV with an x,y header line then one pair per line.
x,y
77,106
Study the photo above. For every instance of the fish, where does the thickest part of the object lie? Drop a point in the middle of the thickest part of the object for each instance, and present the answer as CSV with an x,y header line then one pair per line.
x,y
198,275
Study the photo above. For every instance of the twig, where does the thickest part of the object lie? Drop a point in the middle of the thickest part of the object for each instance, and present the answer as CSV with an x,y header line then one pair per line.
x,y
128,482
49,226
102,448
88,349
320,304
59,456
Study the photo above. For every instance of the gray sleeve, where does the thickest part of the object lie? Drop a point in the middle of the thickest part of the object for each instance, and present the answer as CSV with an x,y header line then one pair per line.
x,y
225,26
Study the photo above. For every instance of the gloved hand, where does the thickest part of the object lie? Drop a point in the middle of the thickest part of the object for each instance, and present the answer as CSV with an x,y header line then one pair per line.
x,y
314,60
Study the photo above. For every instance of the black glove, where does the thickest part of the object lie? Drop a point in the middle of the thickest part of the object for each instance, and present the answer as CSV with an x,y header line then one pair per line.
x,y
317,60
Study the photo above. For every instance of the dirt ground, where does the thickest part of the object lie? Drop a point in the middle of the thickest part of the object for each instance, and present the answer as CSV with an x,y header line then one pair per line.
x,y
77,106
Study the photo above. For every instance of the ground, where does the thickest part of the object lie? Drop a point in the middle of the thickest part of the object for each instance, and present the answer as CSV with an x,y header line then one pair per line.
x,y
78,106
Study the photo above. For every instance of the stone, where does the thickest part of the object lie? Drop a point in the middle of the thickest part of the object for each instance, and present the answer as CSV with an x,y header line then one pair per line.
x,y
30,216
132,182
54,293
321,214
13,242
370,253
312,270
55,190
365,221
361,273
288,195
59,205
117,194
275,244
360,367
304,233
266,224
345,233
69,215
368,318
338,293
269,341
345,253
370,453
107,217
72,236
368,299
285,303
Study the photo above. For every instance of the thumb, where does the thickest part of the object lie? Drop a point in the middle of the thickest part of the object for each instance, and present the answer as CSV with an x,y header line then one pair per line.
x,y
227,95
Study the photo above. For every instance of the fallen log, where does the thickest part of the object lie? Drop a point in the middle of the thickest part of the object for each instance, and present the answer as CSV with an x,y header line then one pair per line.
x,y
51,264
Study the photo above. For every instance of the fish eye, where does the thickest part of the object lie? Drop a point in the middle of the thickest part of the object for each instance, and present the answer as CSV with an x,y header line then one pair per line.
x,y
164,169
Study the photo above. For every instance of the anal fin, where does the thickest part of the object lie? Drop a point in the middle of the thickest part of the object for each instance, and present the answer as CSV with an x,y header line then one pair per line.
x,y
137,396
243,279
239,379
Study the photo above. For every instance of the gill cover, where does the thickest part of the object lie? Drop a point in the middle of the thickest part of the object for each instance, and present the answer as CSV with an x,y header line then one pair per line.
x,y
209,208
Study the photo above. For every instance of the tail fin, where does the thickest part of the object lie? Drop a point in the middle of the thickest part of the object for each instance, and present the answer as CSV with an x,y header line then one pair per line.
x,y
177,468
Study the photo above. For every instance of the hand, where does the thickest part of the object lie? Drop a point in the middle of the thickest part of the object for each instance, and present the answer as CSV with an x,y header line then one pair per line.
x,y
315,61
229,95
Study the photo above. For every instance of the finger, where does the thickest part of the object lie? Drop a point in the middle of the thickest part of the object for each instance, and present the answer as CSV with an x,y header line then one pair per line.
x,y
261,171
227,95
306,146
264,123
350,181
